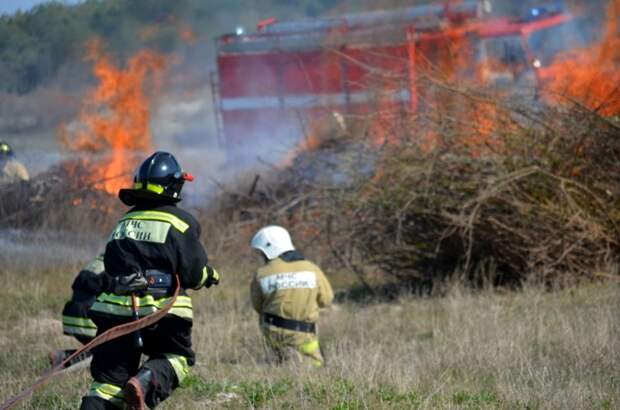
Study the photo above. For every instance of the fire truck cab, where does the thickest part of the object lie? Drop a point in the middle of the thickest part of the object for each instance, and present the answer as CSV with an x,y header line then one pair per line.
x,y
512,52
273,81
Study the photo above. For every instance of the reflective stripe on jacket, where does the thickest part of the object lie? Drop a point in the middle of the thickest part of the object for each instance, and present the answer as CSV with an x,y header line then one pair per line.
x,y
78,326
161,237
115,305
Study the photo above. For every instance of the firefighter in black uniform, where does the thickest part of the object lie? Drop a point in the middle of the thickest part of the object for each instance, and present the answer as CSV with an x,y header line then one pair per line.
x,y
87,285
151,246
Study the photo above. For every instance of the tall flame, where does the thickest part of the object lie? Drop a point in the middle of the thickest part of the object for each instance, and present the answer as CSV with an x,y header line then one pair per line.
x,y
115,116
591,75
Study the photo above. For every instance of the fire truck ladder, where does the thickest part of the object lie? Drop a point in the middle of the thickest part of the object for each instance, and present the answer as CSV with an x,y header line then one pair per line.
x,y
217,105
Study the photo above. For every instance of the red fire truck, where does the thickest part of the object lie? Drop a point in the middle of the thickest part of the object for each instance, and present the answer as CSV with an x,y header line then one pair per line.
x,y
273,80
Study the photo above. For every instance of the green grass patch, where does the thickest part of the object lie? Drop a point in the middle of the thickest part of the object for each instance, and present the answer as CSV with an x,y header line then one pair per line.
x,y
259,393
483,398
198,386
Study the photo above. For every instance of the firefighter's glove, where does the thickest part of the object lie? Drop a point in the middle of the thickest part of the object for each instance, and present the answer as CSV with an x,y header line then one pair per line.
x,y
213,278
128,284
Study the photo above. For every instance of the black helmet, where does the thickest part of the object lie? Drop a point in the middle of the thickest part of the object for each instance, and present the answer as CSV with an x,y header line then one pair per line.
x,y
159,178
5,149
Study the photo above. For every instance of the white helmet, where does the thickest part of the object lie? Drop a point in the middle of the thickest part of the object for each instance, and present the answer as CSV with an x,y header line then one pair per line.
x,y
273,241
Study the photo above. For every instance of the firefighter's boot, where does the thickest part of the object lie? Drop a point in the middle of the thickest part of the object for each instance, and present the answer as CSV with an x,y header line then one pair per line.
x,y
138,388
56,357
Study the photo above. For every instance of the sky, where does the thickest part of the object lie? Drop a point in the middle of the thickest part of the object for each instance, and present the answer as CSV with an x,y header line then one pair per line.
x,y
11,6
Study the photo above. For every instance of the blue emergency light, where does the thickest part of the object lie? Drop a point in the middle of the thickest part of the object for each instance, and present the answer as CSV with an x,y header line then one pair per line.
x,y
547,10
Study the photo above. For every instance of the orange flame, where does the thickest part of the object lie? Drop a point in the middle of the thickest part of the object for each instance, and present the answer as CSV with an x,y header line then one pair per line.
x,y
590,76
115,116
187,35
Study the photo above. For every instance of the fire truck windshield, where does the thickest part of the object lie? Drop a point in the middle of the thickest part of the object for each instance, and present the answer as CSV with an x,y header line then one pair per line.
x,y
505,50
502,61
549,43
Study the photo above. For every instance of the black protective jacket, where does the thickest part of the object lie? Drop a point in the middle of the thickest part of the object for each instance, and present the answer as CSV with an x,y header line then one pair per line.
x,y
162,237
159,237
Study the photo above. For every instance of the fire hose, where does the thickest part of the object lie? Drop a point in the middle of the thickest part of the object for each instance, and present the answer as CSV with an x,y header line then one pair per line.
x,y
108,335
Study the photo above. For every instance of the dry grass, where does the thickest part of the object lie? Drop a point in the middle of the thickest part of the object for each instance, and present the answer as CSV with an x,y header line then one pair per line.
x,y
467,348
486,349
482,348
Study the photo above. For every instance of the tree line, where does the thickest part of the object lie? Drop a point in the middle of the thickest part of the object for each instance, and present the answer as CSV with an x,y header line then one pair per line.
x,y
36,43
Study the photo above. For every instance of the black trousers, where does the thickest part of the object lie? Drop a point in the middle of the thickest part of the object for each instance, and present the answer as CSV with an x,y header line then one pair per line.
x,y
116,361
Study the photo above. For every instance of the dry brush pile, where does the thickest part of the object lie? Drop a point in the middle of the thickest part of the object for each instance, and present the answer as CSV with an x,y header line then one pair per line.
x,y
493,190
63,198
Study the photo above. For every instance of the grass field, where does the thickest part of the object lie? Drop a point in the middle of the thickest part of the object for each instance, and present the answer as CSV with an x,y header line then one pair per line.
x,y
484,349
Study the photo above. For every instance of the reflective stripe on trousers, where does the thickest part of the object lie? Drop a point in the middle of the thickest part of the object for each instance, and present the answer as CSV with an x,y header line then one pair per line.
x,y
121,305
179,364
312,350
109,392
306,346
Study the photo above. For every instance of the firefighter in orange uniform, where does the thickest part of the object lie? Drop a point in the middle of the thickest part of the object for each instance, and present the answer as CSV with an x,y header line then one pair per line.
x,y
287,293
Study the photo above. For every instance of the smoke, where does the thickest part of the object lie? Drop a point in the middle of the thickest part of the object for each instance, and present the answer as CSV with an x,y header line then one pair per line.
x,y
184,121
25,251
184,125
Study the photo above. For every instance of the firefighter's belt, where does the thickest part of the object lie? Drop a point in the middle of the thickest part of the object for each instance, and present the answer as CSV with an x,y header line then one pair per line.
x,y
161,284
289,324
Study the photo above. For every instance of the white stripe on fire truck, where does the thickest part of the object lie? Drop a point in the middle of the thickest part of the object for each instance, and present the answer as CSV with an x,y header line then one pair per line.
x,y
309,100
